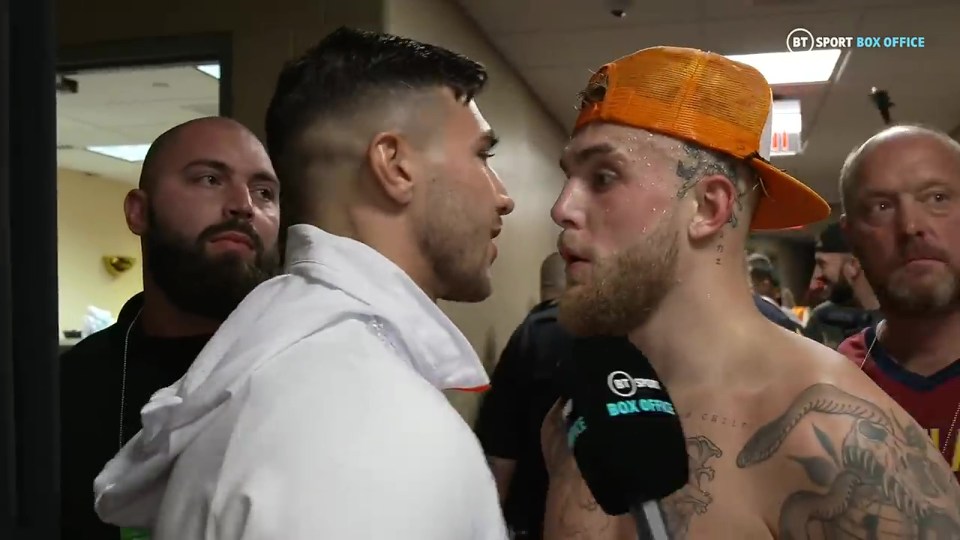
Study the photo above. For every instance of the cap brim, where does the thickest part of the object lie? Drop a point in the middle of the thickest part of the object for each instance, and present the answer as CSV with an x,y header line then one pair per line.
x,y
787,202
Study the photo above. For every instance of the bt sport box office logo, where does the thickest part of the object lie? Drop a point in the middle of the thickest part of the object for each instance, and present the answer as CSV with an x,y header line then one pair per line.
x,y
803,40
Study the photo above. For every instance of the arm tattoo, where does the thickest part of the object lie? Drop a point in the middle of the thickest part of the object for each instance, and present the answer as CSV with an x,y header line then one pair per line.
x,y
692,499
580,516
884,479
572,512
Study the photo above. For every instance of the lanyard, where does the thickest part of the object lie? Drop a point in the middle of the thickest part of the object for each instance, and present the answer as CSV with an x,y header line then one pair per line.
x,y
128,533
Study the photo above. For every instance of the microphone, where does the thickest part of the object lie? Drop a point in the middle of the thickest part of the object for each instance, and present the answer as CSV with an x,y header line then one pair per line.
x,y
624,432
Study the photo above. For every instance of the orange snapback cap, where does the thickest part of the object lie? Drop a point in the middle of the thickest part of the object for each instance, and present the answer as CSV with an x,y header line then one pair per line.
x,y
710,100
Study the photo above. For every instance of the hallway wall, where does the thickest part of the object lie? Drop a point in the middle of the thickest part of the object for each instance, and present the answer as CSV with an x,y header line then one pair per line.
x,y
90,225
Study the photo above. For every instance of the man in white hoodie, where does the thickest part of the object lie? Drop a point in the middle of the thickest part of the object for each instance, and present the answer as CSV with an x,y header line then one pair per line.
x,y
316,411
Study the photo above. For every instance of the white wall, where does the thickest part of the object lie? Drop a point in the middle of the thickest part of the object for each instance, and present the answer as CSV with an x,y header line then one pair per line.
x,y
526,160
91,225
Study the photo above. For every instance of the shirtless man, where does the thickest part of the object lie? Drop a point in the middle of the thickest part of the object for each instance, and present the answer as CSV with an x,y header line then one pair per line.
x,y
786,438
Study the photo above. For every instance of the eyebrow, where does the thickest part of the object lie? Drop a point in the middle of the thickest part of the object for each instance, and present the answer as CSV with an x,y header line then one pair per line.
x,y
219,166
932,183
586,153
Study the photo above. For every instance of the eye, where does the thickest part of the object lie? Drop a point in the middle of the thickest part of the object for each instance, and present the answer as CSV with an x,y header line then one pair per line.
x,y
266,194
603,178
940,197
208,179
878,206
486,154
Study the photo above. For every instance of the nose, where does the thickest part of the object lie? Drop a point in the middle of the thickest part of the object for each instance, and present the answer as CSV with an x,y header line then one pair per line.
x,y
239,202
505,203
563,212
911,219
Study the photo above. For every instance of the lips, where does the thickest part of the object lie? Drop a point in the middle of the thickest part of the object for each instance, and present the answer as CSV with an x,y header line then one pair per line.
x,y
569,256
235,237
923,252
923,259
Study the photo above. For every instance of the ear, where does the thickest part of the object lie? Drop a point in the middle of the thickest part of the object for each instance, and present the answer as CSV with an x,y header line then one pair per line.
x,y
716,206
135,206
391,160
851,268
845,228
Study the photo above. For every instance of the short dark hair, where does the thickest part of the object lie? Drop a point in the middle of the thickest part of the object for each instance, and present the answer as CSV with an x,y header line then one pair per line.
x,y
831,240
343,69
758,275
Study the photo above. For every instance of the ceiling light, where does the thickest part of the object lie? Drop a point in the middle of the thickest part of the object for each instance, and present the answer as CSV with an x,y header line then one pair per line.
x,y
126,152
786,128
793,67
212,70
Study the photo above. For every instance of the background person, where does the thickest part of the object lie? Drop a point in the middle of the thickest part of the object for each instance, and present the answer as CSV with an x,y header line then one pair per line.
x,y
901,200
206,211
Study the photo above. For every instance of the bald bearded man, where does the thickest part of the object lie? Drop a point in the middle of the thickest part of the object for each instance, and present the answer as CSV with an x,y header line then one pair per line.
x,y
206,211
786,439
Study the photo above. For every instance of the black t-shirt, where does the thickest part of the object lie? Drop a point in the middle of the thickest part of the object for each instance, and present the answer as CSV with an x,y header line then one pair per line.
x,y
533,371
522,390
91,375
831,323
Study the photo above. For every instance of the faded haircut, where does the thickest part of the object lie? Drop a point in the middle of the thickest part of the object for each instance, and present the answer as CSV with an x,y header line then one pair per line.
x,y
346,74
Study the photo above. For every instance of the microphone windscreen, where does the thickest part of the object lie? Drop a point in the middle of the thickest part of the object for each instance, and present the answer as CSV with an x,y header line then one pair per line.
x,y
621,425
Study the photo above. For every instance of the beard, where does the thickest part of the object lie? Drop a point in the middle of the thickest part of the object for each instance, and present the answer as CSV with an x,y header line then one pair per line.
x,y
456,248
624,289
841,292
929,295
196,282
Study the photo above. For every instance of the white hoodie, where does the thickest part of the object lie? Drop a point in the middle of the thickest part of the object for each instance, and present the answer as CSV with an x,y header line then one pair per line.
x,y
315,412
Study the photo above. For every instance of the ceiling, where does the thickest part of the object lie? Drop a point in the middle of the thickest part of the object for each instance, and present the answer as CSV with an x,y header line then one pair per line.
x,y
131,106
554,45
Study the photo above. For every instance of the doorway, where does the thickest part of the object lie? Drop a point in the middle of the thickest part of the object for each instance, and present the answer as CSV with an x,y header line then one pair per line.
x,y
106,120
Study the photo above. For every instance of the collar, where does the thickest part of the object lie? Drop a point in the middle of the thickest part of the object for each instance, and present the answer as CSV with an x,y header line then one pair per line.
x,y
886,363
436,348
131,308
768,299
546,304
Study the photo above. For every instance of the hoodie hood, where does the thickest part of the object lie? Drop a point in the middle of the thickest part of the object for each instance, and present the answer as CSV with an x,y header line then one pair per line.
x,y
330,279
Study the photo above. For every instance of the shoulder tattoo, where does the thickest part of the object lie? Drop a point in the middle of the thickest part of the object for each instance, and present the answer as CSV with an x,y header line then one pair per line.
x,y
880,478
